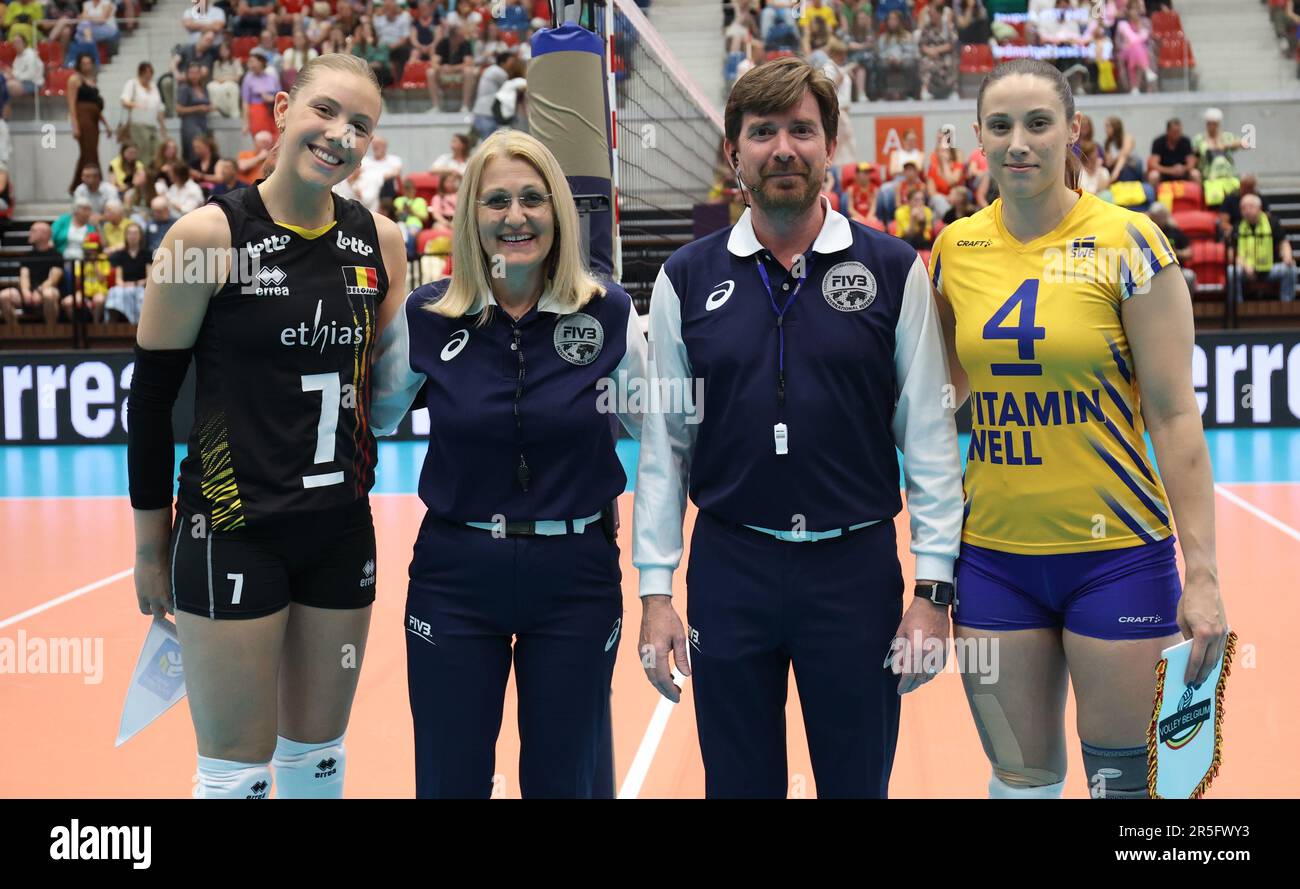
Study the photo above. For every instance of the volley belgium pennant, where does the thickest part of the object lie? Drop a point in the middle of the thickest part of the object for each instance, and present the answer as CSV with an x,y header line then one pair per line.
x,y
1185,737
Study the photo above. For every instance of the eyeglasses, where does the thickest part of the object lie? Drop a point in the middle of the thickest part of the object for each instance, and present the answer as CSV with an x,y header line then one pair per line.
x,y
501,201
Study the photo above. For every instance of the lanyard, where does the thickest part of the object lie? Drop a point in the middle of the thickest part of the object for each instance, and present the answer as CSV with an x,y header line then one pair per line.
x,y
780,318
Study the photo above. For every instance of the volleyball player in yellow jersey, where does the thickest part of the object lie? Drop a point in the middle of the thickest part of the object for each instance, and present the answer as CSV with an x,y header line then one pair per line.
x,y
1059,308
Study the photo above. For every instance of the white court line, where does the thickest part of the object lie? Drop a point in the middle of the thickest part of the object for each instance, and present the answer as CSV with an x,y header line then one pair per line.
x,y
1258,513
66,597
654,733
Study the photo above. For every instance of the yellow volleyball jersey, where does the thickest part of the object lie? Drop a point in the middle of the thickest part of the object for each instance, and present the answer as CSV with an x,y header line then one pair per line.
x,y
1057,461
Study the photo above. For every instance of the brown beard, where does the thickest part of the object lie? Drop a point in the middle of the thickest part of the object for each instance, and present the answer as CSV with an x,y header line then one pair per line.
x,y
789,204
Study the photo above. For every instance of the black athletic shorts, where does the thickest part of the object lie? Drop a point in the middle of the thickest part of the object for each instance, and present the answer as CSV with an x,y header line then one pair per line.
x,y
325,559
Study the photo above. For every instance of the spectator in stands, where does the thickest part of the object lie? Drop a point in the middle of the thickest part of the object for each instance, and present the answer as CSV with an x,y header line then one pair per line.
x,y
1263,251
1292,13
227,79
1172,158
71,228
412,214
1230,209
145,122
258,95
860,197
182,193
27,73
487,48
1214,148
159,223
138,197
453,161
86,115
132,263
122,168
1131,36
1094,178
112,226
1177,238
203,52
204,17
252,17
295,57
910,151
384,164
915,221
902,7
860,40
20,20
346,20
249,165
507,104
424,31
6,145
317,24
393,31
514,18
490,81
946,170
937,43
95,273
454,64
1118,149
896,53
40,273
269,49
363,46
977,174
962,205
95,190
167,152
972,21
193,105
101,18
466,17
363,186
774,11
442,209
203,167
227,180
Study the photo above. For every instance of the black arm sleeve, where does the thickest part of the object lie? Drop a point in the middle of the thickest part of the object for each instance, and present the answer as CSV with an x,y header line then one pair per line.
x,y
150,451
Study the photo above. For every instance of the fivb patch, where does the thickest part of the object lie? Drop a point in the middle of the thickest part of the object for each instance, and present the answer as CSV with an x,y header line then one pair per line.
x,y
578,338
849,287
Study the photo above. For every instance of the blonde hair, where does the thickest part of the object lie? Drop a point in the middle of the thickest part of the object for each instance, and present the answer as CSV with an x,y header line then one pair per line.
x,y
571,283
334,61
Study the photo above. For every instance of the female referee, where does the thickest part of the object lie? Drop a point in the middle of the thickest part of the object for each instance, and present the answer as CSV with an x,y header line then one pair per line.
x,y
1060,308
269,561
525,359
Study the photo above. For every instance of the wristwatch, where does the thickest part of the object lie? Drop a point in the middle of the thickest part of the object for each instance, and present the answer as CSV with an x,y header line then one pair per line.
x,y
938,592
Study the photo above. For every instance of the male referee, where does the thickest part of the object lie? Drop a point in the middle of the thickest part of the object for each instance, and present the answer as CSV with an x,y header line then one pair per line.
x,y
819,347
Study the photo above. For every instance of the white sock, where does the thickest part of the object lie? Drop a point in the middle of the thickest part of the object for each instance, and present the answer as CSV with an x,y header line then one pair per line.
x,y
999,789
223,779
306,770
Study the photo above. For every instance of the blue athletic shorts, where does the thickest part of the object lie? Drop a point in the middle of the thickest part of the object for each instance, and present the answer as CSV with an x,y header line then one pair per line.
x,y
1127,593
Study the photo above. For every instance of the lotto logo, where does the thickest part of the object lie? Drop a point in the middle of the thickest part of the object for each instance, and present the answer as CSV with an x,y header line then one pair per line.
x,y
355,244
269,244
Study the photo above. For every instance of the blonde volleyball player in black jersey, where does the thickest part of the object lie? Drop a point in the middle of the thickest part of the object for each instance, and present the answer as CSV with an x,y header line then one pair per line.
x,y
1062,308
269,560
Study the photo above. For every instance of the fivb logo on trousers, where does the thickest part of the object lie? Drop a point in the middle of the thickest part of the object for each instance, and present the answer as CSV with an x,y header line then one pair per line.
x,y
90,843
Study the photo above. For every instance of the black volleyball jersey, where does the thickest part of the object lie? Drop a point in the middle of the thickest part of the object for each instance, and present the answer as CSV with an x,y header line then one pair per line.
x,y
282,395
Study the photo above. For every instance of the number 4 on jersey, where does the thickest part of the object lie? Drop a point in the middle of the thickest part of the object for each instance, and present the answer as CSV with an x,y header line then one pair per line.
x,y
1024,333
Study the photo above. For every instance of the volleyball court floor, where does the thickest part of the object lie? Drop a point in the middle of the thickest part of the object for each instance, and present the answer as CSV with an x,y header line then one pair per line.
x,y
66,549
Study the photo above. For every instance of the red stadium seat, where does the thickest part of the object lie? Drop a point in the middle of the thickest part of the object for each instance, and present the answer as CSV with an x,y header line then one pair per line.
x,y
1209,262
56,82
414,76
7,54
283,43
1199,225
292,7
542,10
1166,22
240,47
1182,195
426,184
976,58
1176,52
50,52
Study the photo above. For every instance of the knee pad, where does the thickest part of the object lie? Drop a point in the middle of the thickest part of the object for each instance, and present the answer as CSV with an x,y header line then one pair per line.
x,y
305,770
1116,772
223,779
999,789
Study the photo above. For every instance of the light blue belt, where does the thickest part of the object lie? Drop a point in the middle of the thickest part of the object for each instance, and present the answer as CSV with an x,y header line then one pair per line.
x,y
547,528
810,536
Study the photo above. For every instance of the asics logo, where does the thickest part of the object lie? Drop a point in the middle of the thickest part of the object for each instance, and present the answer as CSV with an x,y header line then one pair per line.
x,y
719,296
455,344
613,637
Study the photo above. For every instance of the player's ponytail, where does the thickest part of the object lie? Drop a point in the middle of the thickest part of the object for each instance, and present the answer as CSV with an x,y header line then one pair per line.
x,y
1038,68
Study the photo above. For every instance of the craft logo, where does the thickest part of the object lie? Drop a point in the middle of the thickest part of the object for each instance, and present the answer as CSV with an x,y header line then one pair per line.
x,y
1178,730
361,280
984,243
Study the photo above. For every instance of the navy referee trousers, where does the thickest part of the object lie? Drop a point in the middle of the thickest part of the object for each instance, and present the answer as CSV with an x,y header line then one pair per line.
x,y
756,605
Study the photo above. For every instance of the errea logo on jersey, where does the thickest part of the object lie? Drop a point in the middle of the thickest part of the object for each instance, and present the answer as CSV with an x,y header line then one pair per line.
x,y
353,243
